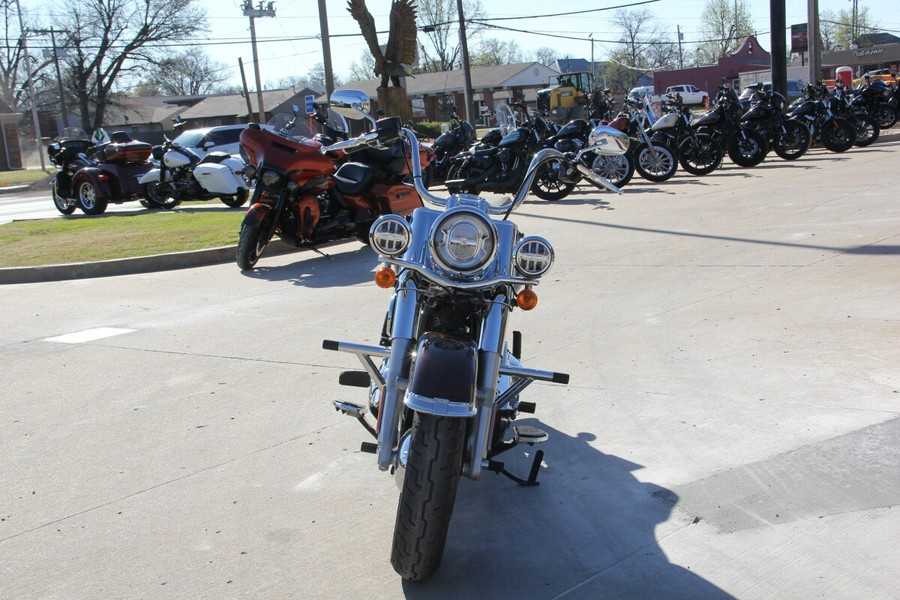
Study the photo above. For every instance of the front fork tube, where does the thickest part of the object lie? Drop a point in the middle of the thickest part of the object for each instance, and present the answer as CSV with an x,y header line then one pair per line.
x,y
403,328
490,357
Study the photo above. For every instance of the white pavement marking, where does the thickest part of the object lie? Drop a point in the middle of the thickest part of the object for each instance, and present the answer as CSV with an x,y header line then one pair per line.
x,y
88,335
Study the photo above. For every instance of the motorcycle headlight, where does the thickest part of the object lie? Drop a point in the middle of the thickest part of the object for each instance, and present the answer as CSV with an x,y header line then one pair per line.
x,y
270,179
390,235
463,241
533,256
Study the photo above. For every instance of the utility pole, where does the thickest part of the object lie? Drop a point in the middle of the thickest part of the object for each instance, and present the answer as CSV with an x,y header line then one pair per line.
x,y
34,115
246,93
680,55
814,41
62,98
777,25
467,75
326,48
255,13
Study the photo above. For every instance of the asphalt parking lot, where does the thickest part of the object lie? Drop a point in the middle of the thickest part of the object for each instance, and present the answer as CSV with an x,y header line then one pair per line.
x,y
731,427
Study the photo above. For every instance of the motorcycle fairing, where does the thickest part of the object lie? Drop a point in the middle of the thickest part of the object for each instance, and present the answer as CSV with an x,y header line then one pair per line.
x,y
443,378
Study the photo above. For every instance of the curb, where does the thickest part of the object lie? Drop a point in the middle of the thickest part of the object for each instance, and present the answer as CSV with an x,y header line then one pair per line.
x,y
131,266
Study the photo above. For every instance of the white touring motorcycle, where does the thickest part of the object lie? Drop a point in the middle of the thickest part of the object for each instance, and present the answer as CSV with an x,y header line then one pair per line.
x,y
183,175
444,384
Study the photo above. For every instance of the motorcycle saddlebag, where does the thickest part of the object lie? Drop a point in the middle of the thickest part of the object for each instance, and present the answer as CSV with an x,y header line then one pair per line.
x,y
127,153
400,199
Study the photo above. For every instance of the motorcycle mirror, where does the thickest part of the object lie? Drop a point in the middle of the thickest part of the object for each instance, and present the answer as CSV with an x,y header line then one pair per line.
x,y
295,108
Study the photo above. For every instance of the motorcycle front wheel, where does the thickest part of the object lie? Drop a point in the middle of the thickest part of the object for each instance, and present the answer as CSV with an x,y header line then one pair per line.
x,y
61,204
792,142
236,201
838,135
548,186
656,167
254,238
884,115
159,194
618,169
701,156
428,495
747,148
867,131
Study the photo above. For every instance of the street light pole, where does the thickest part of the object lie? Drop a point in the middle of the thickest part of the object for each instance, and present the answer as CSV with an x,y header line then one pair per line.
x,y
62,98
467,75
255,13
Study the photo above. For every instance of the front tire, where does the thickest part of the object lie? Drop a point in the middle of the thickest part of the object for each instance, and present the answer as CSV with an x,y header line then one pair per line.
x,y
88,200
867,131
61,204
838,135
701,158
428,495
618,169
792,142
159,194
548,186
656,168
747,148
253,240
884,115
236,201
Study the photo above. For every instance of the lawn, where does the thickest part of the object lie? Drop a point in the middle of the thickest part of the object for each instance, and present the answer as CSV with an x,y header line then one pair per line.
x,y
82,238
23,176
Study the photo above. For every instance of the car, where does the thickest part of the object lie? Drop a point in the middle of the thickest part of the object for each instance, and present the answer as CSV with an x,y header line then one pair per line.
x,y
794,90
224,138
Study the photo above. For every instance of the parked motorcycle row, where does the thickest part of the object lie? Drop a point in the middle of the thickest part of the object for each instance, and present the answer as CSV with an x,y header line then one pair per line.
x,y
91,174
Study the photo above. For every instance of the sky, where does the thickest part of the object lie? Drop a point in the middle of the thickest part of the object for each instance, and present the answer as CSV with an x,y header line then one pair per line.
x,y
229,36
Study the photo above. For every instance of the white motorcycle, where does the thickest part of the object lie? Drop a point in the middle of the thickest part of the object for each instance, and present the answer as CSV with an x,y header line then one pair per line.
x,y
183,175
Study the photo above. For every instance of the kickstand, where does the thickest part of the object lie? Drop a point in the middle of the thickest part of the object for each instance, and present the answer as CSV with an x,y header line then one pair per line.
x,y
317,251
498,467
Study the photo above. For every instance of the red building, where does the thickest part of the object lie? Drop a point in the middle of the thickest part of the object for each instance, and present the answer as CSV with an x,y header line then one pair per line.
x,y
748,57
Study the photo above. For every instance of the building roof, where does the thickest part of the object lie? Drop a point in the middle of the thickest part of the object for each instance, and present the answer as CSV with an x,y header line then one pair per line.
x,y
145,109
235,105
499,77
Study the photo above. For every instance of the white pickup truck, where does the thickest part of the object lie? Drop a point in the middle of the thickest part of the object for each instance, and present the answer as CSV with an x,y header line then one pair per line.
x,y
689,94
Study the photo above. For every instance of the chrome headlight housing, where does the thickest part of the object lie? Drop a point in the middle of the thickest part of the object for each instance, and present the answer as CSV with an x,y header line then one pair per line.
x,y
463,241
533,256
390,235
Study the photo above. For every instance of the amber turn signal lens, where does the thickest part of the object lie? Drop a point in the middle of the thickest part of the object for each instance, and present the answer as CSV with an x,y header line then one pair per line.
x,y
385,277
526,300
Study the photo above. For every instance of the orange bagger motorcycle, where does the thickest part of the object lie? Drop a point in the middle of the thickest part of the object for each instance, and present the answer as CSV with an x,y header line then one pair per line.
x,y
301,197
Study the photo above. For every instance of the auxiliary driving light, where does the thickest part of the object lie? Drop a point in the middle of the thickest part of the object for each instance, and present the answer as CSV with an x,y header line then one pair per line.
x,y
390,235
270,179
533,256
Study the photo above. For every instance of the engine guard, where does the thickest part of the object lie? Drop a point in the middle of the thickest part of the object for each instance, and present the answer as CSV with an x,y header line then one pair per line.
x,y
444,376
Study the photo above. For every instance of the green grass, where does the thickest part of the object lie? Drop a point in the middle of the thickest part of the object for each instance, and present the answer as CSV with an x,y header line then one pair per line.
x,y
105,237
23,176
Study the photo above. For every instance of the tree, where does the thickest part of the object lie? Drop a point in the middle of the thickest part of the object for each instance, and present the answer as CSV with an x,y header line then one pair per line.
x,y
13,72
439,48
545,56
725,24
643,48
492,52
364,69
112,38
191,73
836,29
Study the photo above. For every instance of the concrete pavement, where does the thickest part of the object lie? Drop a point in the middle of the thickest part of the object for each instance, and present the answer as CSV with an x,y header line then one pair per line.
x,y
730,430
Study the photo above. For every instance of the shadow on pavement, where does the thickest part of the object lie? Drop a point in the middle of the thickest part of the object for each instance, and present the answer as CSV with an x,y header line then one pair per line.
x,y
588,531
314,270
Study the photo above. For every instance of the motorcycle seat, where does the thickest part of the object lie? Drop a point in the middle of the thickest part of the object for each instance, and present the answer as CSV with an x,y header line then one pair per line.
x,y
354,178
215,157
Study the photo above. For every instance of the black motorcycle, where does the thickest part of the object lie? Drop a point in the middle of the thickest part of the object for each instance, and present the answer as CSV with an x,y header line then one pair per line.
x,y
698,153
874,97
499,168
456,139
745,146
789,138
817,111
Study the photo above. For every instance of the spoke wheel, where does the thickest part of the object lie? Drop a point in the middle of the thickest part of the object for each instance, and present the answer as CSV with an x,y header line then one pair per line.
x,y
618,169
548,186
701,156
655,165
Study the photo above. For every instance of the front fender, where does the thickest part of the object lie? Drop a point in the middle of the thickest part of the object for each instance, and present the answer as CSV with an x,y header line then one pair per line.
x,y
258,212
444,375
151,176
